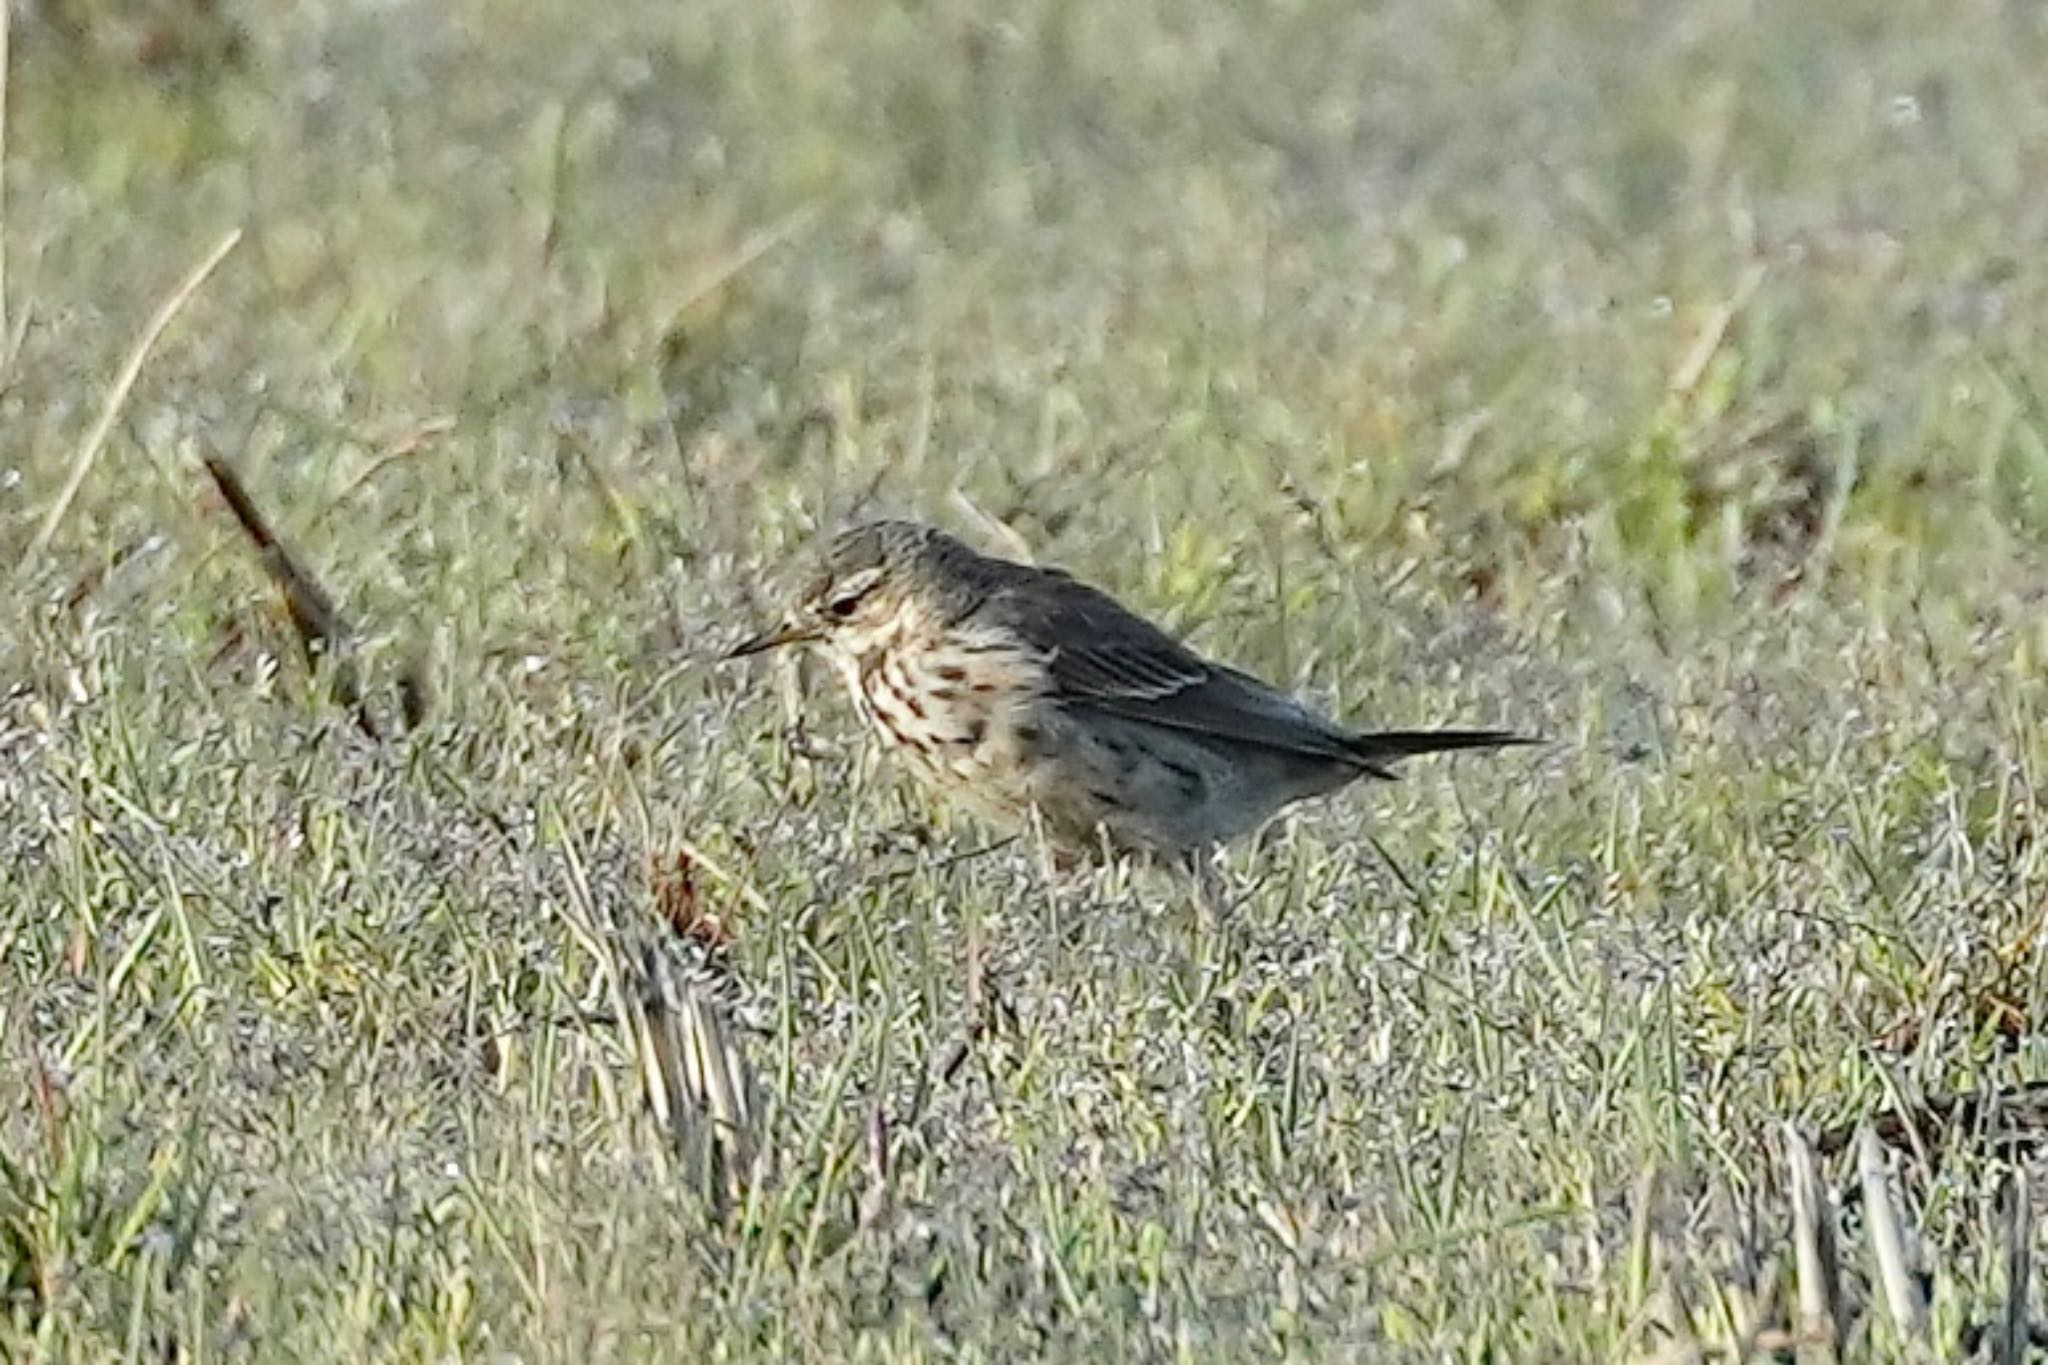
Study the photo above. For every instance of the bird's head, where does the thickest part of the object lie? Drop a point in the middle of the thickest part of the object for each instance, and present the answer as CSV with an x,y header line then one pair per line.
x,y
858,589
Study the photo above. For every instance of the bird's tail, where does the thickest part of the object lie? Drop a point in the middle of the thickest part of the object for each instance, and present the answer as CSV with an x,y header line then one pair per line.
x,y
1378,749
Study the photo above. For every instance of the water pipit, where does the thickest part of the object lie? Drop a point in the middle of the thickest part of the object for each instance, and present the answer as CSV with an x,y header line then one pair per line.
x,y
1040,701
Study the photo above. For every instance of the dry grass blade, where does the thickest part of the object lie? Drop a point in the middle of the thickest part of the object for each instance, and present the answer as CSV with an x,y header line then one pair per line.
x,y
117,395
699,1082
1813,1245
2010,1345
1888,1245
404,446
323,634
2010,1120
737,884
736,262
1713,332
1005,538
874,1203
1641,1239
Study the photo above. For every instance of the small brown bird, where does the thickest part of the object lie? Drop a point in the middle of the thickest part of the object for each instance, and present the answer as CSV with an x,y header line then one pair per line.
x,y
1021,689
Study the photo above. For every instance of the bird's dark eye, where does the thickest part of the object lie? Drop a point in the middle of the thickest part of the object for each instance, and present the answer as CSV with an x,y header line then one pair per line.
x,y
841,598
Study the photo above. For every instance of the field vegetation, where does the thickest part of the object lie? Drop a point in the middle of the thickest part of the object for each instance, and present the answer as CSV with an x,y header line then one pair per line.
x,y
515,983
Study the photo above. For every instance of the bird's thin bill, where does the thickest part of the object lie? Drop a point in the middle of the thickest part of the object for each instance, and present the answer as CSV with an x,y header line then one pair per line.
x,y
771,639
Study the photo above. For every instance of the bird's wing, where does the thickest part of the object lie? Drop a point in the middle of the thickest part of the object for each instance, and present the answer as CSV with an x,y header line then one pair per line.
x,y
1105,659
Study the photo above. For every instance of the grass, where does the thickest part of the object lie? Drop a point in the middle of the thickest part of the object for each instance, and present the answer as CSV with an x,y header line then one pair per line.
x,y
1667,381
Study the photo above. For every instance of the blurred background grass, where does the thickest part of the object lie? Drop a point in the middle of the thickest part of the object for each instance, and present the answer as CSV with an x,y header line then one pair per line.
x,y
1667,378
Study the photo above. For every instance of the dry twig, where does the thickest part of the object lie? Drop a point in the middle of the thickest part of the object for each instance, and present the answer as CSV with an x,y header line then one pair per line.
x,y
2010,1345
322,632
1813,1245
1888,1241
699,1083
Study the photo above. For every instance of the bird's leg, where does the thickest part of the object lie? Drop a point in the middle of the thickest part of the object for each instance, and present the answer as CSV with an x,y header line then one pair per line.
x,y
1212,901
1217,958
1060,873
1210,922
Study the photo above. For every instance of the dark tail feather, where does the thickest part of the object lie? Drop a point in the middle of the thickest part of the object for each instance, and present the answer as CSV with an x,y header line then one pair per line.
x,y
1383,747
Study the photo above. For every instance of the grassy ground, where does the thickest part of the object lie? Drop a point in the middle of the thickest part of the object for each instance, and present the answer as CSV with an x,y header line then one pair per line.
x,y
1665,379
